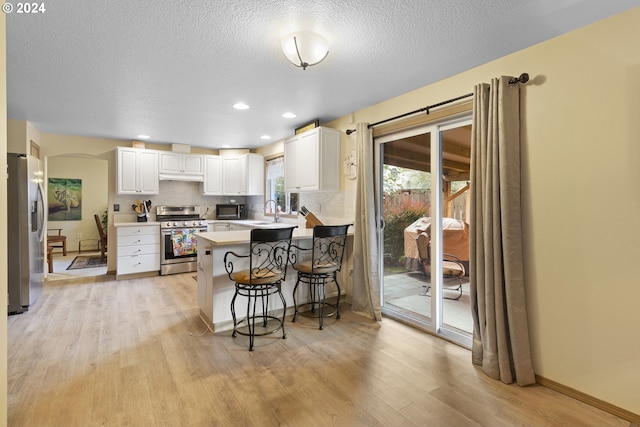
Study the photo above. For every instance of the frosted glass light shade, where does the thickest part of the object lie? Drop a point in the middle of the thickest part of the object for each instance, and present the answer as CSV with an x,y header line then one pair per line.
x,y
311,49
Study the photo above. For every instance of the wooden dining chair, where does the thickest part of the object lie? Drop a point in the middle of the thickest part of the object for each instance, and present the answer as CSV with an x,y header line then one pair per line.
x,y
102,243
56,239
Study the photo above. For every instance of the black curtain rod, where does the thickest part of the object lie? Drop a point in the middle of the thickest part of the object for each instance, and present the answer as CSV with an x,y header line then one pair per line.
x,y
419,110
524,77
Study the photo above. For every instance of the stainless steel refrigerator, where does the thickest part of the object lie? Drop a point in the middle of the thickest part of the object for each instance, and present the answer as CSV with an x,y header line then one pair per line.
x,y
26,230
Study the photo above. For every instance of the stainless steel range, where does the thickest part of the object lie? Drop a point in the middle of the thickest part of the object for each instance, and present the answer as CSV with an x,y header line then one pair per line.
x,y
178,225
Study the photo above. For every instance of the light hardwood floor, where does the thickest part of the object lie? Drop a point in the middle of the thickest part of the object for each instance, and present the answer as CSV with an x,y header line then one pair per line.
x,y
130,353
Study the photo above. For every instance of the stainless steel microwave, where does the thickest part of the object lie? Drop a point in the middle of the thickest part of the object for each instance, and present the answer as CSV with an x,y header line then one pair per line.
x,y
231,211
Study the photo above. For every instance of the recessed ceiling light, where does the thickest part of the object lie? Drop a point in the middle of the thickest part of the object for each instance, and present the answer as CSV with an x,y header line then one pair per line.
x,y
289,115
144,136
241,106
226,146
265,137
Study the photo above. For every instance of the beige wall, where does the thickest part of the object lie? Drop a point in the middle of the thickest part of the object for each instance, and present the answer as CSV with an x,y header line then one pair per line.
x,y
94,175
3,221
56,146
16,136
20,134
581,190
581,196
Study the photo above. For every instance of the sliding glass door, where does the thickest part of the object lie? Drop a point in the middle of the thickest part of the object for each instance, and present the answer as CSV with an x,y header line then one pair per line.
x,y
425,255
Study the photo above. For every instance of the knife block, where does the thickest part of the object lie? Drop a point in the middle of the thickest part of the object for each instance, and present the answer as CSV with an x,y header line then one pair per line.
x,y
312,220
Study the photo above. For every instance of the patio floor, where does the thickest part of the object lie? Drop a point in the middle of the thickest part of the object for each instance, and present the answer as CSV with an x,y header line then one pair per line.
x,y
404,292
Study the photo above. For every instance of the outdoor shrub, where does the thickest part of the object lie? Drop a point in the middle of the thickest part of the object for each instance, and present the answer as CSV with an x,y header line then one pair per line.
x,y
400,211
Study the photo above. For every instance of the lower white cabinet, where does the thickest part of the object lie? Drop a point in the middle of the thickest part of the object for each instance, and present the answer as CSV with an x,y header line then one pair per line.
x,y
223,226
227,226
138,249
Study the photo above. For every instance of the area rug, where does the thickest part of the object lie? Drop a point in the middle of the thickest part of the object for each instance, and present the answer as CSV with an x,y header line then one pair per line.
x,y
88,261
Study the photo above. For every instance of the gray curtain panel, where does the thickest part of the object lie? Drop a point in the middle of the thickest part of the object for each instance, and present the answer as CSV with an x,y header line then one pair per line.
x,y
366,279
500,330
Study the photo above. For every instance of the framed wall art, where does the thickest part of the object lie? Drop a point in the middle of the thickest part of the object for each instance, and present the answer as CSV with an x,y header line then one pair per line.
x,y
65,199
314,124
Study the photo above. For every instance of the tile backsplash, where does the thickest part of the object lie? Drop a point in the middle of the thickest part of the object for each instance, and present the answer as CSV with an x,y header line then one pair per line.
x,y
176,193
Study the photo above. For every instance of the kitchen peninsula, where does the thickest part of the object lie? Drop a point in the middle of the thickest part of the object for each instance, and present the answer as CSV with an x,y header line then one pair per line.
x,y
216,290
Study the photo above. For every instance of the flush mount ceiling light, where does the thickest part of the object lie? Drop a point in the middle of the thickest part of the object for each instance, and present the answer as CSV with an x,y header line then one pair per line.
x,y
305,49
240,106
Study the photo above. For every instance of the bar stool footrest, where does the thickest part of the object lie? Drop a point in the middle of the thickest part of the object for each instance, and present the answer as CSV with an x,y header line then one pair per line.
x,y
259,321
313,309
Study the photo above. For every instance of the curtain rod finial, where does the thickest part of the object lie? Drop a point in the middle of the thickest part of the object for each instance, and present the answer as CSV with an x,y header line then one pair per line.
x,y
524,77
349,131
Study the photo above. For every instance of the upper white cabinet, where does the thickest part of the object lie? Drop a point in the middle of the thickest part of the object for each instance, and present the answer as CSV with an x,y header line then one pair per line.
x,y
178,166
212,185
312,161
243,175
136,171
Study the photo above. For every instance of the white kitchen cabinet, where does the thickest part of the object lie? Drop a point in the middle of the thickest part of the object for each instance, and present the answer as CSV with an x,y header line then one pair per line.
x,y
312,161
231,176
180,166
228,226
243,175
219,226
136,171
254,172
138,249
212,185
235,227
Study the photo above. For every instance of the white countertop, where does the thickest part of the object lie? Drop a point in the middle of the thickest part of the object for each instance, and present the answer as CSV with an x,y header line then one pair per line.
x,y
221,238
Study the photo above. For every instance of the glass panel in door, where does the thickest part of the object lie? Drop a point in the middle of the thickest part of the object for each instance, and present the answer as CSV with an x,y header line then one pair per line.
x,y
406,210
415,209
453,161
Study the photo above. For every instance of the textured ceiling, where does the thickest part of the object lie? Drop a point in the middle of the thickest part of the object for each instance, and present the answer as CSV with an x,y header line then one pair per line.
x,y
173,69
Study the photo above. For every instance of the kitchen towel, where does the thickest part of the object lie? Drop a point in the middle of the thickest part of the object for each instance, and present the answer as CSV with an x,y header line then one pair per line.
x,y
184,242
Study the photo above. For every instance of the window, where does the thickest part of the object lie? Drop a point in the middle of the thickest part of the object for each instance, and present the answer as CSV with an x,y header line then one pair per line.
x,y
287,202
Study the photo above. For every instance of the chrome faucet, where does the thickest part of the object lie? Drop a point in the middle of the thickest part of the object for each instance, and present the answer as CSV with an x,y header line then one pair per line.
x,y
276,217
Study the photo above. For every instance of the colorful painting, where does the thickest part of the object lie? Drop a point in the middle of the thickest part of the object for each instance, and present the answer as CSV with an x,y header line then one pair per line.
x,y
65,199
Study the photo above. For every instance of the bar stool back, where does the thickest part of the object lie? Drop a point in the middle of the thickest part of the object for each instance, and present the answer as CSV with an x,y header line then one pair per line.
x,y
327,252
267,268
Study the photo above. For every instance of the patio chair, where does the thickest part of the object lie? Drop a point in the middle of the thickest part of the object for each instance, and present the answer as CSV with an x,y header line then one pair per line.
x,y
452,267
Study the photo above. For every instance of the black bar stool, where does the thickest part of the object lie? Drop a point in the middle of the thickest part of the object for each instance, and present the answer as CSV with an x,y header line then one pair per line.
x,y
327,252
268,259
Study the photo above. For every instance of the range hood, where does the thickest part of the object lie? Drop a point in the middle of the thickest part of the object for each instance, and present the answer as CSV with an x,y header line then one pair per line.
x,y
180,177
